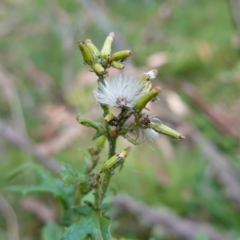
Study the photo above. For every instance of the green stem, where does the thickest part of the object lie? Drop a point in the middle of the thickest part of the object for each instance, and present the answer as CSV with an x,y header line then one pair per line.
x,y
98,193
108,174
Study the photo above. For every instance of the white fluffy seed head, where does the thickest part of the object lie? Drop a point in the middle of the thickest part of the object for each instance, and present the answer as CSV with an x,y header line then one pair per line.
x,y
146,135
120,92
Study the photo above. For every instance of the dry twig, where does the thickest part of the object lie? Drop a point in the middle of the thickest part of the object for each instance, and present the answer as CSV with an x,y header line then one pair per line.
x,y
22,142
187,229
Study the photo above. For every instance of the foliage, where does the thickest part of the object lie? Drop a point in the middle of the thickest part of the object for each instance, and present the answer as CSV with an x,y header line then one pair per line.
x,y
184,182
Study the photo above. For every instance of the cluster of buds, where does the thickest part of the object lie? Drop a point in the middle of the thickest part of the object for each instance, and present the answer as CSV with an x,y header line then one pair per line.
x,y
129,94
99,61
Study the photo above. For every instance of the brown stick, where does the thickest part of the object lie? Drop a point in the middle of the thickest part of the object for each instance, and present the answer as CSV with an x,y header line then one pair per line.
x,y
221,164
22,142
218,117
187,229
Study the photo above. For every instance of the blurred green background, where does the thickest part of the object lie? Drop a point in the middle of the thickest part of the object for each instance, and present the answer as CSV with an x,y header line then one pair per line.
x,y
195,45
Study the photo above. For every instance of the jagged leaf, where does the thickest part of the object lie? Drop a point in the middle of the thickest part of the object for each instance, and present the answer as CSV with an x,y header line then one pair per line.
x,y
19,169
83,210
46,184
70,176
92,226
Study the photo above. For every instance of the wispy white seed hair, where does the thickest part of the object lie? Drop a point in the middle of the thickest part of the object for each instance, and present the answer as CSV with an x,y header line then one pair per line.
x,y
146,135
152,73
120,92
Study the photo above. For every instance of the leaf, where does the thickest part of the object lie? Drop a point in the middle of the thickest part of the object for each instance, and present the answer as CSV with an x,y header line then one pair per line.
x,y
51,231
97,134
83,210
13,173
95,125
70,176
28,189
46,184
114,188
131,140
92,226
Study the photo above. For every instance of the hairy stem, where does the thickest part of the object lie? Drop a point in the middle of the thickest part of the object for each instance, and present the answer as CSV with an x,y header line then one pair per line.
x,y
108,174
98,193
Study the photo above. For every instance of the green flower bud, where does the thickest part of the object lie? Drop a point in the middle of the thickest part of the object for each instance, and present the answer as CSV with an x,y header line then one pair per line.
x,y
121,55
117,65
106,49
142,102
163,129
109,117
101,141
93,49
87,56
115,160
91,150
98,68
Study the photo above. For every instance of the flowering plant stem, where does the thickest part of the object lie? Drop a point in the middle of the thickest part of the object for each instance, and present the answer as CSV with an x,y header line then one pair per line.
x,y
108,174
86,219
130,96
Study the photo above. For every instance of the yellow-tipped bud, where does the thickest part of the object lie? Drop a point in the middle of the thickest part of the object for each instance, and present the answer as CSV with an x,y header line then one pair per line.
x,y
117,65
106,49
93,49
163,129
109,117
87,56
115,160
142,102
98,68
121,55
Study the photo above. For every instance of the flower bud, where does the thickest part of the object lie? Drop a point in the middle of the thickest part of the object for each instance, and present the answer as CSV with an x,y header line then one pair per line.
x,y
98,68
109,117
121,55
91,150
117,65
87,56
115,160
142,102
163,129
93,49
106,49
101,141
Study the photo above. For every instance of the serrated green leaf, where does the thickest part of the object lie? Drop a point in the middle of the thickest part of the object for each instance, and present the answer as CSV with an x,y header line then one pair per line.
x,y
13,173
83,210
51,231
28,189
70,176
46,184
92,226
